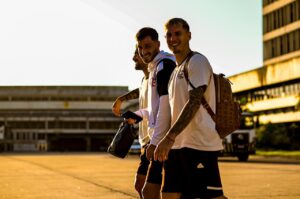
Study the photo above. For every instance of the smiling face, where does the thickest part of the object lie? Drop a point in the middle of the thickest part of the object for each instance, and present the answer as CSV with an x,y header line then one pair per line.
x,y
148,48
177,38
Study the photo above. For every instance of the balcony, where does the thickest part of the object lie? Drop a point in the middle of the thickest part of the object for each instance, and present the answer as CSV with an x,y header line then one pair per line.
x,y
280,117
270,104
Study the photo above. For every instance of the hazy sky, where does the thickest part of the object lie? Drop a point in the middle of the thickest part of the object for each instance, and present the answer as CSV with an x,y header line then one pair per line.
x,y
91,42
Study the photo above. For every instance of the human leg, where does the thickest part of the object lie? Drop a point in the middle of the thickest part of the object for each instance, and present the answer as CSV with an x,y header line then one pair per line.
x,y
220,197
139,183
172,178
201,174
140,177
151,189
166,195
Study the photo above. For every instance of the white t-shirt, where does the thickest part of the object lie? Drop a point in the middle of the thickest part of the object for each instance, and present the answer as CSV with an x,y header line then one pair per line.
x,y
200,133
156,68
143,103
157,113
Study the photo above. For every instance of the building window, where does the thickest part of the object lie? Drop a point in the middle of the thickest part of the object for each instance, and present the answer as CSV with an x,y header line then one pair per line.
x,y
33,136
26,125
281,17
104,125
267,2
67,125
41,136
282,45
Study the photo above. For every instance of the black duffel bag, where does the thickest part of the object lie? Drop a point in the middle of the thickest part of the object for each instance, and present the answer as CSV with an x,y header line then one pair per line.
x,y
123,140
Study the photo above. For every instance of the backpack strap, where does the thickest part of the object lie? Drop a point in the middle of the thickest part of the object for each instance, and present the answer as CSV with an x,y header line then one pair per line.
x,y
203,100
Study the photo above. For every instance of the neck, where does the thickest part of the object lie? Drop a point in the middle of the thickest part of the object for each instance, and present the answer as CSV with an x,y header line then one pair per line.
x,y
146,72
180,57
155,55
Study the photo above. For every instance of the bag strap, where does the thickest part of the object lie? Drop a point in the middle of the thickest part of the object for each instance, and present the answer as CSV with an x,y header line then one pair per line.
x,y
203,100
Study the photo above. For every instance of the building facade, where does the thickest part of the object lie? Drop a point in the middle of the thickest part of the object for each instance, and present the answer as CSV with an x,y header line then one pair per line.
x,y
58,118
272,91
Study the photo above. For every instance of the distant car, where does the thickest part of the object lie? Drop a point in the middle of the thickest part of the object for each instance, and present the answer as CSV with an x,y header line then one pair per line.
x,y
241,143
135,147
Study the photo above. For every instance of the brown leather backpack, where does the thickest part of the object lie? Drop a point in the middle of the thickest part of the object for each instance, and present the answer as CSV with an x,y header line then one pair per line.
x,y
228,113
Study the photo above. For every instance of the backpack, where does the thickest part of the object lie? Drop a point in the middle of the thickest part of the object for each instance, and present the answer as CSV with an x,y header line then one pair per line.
x,y
228,112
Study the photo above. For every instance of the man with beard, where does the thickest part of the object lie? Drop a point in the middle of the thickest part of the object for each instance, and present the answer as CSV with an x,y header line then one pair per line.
x,y
142,94
160,66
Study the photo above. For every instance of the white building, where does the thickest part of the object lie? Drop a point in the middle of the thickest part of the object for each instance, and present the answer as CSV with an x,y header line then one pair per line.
x,y
58,118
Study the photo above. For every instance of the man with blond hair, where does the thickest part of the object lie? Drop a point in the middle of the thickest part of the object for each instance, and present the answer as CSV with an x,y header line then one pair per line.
x,y
190,147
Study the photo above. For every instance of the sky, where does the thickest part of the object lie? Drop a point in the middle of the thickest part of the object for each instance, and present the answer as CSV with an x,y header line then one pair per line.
x,y
91,42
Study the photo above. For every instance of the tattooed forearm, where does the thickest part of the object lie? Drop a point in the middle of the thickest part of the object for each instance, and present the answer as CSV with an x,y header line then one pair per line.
x,y
188,112
134,94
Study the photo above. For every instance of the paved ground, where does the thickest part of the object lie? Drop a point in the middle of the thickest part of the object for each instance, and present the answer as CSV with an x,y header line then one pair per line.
x,y
93,176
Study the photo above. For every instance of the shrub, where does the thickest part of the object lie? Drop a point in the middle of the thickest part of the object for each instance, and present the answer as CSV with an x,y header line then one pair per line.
x,y
273,136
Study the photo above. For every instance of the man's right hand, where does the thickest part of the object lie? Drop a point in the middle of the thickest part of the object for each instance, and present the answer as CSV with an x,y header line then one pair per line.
x,y
116,107
130,121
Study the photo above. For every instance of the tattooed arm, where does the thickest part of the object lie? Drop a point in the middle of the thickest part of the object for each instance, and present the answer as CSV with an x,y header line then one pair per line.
x,y
116,107
186,115
188,112
134,94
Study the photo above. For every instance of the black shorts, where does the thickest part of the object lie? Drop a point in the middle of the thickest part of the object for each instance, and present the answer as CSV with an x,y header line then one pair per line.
x,y
144,163
154,174
193,173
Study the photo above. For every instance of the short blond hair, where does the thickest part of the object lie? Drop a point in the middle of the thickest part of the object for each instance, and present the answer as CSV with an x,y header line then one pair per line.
x,y
176,21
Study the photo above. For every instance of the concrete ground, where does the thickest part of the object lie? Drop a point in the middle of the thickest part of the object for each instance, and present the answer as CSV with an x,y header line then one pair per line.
x,y
93,176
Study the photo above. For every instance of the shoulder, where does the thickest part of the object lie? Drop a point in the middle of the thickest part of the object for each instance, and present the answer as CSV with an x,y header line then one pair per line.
x,y
166,64
199,58
199,63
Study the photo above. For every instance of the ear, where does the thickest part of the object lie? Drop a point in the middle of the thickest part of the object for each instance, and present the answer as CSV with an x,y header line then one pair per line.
x,y
190,35
158,43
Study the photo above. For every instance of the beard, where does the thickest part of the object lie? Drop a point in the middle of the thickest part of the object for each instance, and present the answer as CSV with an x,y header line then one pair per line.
x,y
138,67
147,60
174,50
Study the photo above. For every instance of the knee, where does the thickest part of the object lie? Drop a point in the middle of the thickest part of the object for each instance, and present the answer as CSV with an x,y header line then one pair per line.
x,y
138,187
151,191
138,184
221,197
146,191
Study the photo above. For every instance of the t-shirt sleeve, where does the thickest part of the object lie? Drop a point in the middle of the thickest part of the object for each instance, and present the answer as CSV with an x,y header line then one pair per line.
x,y
165,70
199,71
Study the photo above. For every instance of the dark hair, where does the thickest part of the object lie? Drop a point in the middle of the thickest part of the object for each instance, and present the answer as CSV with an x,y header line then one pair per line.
x,y
176,21
145,32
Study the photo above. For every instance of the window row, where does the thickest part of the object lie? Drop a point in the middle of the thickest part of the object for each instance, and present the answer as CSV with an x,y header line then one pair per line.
x,y
281,17
61,125
28,136
267,2
269,93
57,98
282,45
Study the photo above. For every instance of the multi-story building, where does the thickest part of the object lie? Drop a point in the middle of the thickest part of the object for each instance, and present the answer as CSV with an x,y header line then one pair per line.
x,y
272,92
58,118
